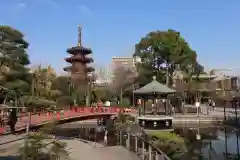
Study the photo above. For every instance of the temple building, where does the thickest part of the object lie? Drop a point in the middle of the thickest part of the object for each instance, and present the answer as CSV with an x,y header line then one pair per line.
x,y
79,69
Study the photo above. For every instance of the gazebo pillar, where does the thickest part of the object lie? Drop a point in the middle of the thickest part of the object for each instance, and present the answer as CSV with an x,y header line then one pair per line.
x,y
144,107
167,106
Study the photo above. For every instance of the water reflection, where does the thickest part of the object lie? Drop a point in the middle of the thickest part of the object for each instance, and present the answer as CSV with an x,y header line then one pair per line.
x,y
216,142
88,133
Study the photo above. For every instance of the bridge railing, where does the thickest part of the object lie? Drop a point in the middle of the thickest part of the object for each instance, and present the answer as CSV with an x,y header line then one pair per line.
x,y
46,116
73,109
146,149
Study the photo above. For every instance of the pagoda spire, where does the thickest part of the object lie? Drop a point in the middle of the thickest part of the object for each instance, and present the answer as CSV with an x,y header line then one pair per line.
x,y
79,35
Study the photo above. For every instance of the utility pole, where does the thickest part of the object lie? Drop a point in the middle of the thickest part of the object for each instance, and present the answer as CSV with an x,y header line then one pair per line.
x,y
29,117
89,89
133,99
87,94
121,95
167,75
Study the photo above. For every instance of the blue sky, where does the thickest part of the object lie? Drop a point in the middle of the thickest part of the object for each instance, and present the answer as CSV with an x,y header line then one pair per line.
x,y
113,27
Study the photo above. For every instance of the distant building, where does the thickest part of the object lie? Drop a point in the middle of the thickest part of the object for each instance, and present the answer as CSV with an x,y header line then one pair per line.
x,y
128,62
227,83
221,83
103,75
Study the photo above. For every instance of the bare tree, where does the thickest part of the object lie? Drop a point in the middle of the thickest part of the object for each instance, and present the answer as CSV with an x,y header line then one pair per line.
x,y
123,79
102,75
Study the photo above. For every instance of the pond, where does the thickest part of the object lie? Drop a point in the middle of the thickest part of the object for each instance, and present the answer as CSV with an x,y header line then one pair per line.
x,y
215,141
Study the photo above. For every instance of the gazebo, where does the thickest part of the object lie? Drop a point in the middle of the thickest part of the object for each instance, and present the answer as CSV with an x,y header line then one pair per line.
x,y
154,90
154,87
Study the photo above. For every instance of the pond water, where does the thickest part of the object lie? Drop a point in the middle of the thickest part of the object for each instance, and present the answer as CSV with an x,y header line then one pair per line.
x,y
215,141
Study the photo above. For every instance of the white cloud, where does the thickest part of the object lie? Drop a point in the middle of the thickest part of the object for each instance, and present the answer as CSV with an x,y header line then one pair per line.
x,y
84,9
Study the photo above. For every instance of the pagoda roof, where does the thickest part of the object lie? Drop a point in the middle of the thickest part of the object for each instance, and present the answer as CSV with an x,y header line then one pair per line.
x,y
79,59
154,87
90,69
69,68
79,50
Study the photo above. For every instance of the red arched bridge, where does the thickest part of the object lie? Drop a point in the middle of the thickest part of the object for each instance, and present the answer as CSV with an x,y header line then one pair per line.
x,y
63,116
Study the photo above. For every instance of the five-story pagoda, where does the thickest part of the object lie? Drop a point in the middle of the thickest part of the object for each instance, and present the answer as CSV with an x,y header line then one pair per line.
x,y
79,71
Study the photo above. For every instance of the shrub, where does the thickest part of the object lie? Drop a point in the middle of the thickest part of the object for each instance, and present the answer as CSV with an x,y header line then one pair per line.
x,y
64,101
37,103
170,143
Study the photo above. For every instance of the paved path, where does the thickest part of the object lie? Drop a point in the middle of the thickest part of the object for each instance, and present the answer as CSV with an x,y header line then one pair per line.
x,y
85,151
219,112
10,138
12,148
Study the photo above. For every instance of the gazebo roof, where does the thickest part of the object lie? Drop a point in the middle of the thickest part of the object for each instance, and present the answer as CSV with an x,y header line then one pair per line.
x,y
154,87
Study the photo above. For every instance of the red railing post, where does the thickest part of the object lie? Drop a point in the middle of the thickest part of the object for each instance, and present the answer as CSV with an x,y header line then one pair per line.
x,y
58,116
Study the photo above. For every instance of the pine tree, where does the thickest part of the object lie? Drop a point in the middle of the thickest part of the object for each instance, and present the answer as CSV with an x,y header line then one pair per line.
x,y
13,61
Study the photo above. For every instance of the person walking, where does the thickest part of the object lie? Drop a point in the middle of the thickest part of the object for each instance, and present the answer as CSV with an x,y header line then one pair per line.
x,y
210,102
173,110
213,105
12,120
182,107
106,138
1,125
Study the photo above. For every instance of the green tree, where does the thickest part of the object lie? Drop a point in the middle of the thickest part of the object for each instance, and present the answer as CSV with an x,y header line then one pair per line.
x,y
13,61
37,146
103,93
160,51
123,122
42,96
43,79
61,83
69,93
170,143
